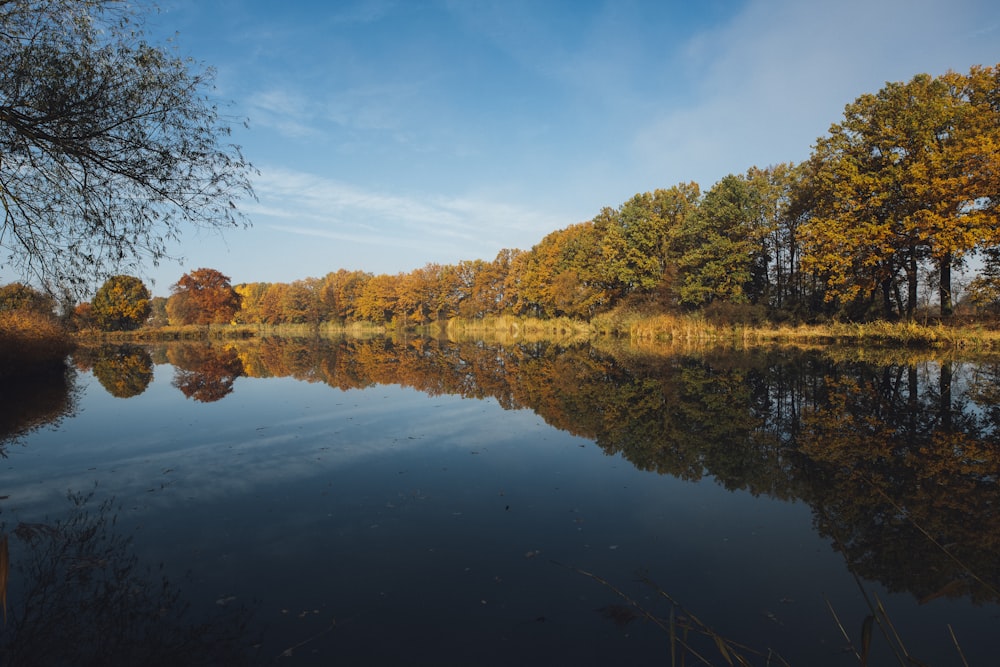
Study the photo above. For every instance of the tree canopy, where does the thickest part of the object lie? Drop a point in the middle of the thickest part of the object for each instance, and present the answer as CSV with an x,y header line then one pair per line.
x,y
203,296
121,304
911,174
110,145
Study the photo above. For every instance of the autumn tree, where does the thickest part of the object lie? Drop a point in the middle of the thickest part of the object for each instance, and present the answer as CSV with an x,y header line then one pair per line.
x,y
110,144
778,253
909,176
301,303
340,292
121,304
24,298
158,312
203,296
378,299
427,294
471,301
251,299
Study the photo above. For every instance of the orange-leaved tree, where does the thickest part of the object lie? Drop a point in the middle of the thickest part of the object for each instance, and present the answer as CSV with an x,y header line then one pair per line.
x,y
203,296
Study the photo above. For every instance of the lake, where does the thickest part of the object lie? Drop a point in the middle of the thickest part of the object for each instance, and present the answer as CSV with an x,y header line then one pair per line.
x,y
425,502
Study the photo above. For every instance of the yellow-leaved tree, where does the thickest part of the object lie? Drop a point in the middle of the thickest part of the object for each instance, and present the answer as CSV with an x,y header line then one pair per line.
x,y
909,177
121,304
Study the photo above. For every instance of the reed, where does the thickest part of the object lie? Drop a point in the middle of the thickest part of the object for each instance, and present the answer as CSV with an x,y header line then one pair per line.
x,y
696,327
509,328
30,342
689,637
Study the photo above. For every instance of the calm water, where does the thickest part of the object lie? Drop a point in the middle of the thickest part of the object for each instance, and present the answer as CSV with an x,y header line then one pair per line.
x,y
372,502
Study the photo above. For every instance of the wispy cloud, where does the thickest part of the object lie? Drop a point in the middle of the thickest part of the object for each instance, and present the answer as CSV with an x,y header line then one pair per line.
x,y
288,112
774,77
303,204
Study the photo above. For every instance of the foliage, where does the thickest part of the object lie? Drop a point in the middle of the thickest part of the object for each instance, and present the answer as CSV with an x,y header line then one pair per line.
x,y
203,296
205,373
24,298
124,371
31,400
110,144
121,304
30,342
910,174
158,312
719,246
905,183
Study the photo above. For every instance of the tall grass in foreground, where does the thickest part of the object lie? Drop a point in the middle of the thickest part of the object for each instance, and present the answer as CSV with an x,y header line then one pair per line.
x,y
30,342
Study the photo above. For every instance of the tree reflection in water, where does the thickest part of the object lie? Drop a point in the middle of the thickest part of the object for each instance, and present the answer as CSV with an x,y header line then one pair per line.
x,y
204,372
899,458
79,596
123,370
30,402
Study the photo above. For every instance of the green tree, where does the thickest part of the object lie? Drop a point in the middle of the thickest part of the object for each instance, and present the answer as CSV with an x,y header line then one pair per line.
x,y
637,249
121,304
110,144
721,251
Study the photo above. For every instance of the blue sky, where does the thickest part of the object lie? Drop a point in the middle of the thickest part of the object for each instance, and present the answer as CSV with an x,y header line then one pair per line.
x,y
393,134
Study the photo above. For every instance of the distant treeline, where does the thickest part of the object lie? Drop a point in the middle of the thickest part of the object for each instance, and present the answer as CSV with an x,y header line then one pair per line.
x,y
903,190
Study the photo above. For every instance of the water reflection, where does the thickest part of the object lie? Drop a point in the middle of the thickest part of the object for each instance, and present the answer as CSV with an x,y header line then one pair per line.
x,y
80,596
123,370
32,401
204,373
899,461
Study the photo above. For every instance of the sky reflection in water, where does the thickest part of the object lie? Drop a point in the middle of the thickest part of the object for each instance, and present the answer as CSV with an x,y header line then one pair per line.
x,y
388,526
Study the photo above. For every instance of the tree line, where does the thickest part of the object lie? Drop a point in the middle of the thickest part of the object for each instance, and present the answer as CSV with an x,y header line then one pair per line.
x,y
897,195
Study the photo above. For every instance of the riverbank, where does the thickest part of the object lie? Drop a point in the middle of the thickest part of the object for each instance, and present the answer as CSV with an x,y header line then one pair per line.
x,y
38,340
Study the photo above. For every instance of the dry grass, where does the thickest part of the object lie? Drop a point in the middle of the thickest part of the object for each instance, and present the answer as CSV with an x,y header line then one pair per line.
x,y
507,328
695,327
29,341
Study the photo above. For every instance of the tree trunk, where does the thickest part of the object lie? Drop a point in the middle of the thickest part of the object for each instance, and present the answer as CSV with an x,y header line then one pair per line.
x,y
944,290
911,283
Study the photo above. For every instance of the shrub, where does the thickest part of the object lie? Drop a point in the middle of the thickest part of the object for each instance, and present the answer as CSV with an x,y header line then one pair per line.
x,y
31,341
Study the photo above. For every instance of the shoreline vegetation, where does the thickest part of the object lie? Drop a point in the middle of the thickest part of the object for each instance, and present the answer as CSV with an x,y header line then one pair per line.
x,y
30,343
642,330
